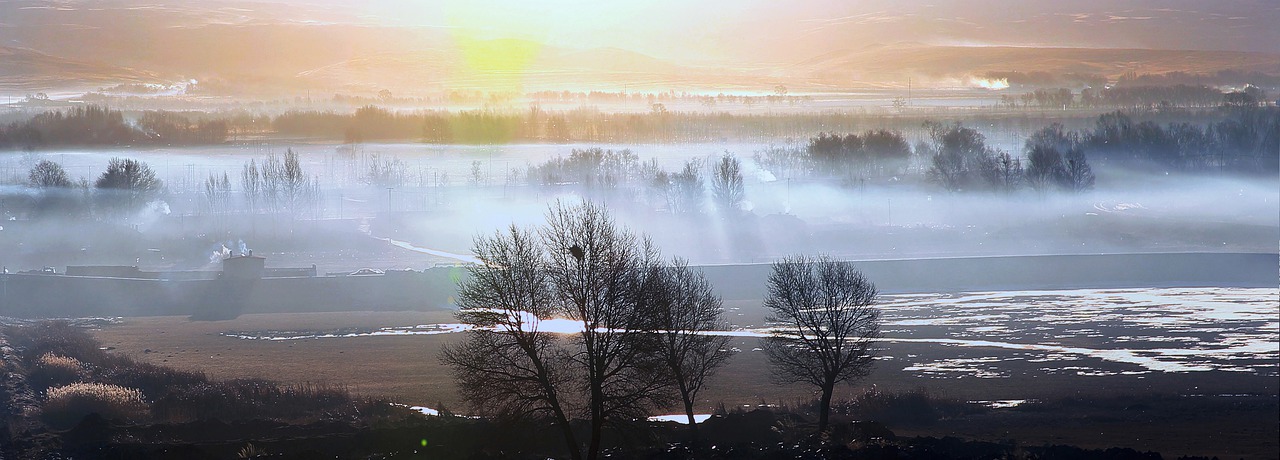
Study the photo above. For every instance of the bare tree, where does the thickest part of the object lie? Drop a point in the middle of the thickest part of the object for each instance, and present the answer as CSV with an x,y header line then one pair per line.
x,y
825,323
582,267
686,193
594,269
477,174
1077,175
48,174
272,172
726,185
295,186
54,192
217,191
508,366
1009,170
384,172
251,182
683,308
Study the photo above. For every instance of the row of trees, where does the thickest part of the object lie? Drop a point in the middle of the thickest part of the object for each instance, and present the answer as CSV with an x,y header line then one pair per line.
x,y
1247,140
276,184
643,333
1196,96
609,174
960,160
875,153
125,187
372,123
98,125
955,157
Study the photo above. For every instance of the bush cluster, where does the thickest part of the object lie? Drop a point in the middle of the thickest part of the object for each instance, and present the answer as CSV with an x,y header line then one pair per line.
x,y
66,405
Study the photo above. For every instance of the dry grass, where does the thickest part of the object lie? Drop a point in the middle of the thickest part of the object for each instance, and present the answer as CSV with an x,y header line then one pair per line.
x,y
404,369
52,369
50,360
66,405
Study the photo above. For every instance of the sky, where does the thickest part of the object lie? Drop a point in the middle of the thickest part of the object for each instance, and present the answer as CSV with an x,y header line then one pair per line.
x,y
413,43
737,30
707,29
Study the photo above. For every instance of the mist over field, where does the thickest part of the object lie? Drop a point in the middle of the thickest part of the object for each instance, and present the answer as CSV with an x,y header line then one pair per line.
x,y
639,229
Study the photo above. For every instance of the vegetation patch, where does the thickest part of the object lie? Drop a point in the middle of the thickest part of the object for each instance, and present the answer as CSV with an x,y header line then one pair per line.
x,y
67,405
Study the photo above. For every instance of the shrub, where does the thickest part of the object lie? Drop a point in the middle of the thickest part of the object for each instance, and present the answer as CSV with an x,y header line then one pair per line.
x,y
909,407
243,399
151,379
53,369
66,405
57,337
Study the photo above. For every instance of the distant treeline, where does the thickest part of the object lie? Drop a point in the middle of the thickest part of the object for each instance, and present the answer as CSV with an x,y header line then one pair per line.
x,y
97,125
1222,78
1147,96
1244,139
1236,123
953,157
958,158
582,125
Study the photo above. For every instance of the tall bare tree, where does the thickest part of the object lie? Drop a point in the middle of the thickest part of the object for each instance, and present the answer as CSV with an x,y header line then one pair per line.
x,y
272,171
595,272
579,266
726,185
295,185
508,366
217,191
825,324
686,192
684,309
251,182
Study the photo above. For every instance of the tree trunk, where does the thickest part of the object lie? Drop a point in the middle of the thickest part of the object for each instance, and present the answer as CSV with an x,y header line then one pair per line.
x,y
593,451
597,421
824,407
693,424
575,452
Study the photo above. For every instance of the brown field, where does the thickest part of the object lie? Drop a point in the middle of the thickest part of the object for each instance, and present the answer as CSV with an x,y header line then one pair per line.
x,y
1093,412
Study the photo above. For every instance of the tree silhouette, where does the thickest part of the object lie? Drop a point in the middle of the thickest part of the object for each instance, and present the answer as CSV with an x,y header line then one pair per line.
x,y
48,174
508,365
581,267
824,325
127,185
601,290
683,308
726,185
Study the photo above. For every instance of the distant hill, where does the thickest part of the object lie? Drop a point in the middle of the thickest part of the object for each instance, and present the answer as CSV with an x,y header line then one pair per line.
x,y
890,63
295,58
23,69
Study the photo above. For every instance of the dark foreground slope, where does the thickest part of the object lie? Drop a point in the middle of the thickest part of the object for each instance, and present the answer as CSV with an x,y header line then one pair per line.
x,y
186,415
